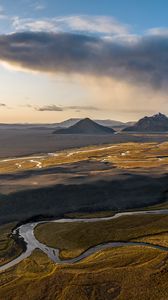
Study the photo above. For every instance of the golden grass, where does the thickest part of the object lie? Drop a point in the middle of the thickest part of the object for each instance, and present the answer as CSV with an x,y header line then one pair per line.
x,y
74,238
156,239
125,156
124,274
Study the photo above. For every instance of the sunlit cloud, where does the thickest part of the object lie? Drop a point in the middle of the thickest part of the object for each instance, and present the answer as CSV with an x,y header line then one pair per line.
x,y
49,108
19,24
85,24
157,31
54,108
94,24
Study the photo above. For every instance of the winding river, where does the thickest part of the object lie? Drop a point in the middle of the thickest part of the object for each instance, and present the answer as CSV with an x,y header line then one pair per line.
x,y
26,232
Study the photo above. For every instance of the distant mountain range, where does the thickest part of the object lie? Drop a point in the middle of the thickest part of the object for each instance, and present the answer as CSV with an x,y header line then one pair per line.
x,y
85,126
64,124
156,123
108,123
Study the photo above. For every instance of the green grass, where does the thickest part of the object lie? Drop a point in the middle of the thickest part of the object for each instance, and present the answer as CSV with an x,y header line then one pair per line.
x,y
74,238
8,247
98,214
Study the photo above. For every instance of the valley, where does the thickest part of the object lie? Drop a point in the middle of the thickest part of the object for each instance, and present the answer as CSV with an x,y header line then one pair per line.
x,y
107,273
83,150
85,183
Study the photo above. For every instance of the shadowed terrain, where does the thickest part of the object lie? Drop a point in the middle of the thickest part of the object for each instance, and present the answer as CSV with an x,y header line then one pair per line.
x,y
90,179
101,195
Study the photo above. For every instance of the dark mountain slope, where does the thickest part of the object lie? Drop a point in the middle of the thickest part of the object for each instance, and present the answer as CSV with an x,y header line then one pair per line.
x,y
156,123
86,126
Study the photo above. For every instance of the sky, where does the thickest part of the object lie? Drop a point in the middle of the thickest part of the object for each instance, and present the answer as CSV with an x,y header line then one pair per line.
x,y
74,59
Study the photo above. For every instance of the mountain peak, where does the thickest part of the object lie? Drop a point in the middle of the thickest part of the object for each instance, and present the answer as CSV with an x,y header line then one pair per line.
x,y
86,120
159,116
155,123
86,126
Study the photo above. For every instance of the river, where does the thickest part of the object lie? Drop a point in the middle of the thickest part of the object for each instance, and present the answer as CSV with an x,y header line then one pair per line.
x,y
26,232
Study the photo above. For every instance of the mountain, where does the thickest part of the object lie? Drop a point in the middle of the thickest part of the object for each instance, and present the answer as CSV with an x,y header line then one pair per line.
x,y
108,123
85,126
131,123
156,123
69,122
65,124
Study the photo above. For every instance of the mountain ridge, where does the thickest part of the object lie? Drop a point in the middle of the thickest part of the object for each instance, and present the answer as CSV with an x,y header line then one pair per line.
x,y
107,122
85,126
155,123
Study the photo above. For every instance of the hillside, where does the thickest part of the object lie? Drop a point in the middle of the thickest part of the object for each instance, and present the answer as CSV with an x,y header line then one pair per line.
x,y
156,123
86,126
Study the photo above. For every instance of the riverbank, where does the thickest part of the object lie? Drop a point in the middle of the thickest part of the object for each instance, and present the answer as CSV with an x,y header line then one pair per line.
x,y
26,232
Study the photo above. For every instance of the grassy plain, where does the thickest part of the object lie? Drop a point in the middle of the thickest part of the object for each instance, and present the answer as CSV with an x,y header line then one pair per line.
x,y
124,156
123,274
126,273
74,238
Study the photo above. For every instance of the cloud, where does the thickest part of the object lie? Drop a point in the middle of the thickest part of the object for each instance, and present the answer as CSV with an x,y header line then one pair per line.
x,y
81,24
3,15
78,107
54,107
49,108
39,6
19,24
158,31
141,62
94,24
3,105
122,100
1,9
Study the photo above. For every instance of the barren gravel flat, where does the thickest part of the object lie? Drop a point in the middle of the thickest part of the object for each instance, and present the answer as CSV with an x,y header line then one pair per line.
x,y
18,142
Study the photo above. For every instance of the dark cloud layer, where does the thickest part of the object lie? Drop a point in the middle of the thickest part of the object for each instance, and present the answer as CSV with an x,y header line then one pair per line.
x,y
144,60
